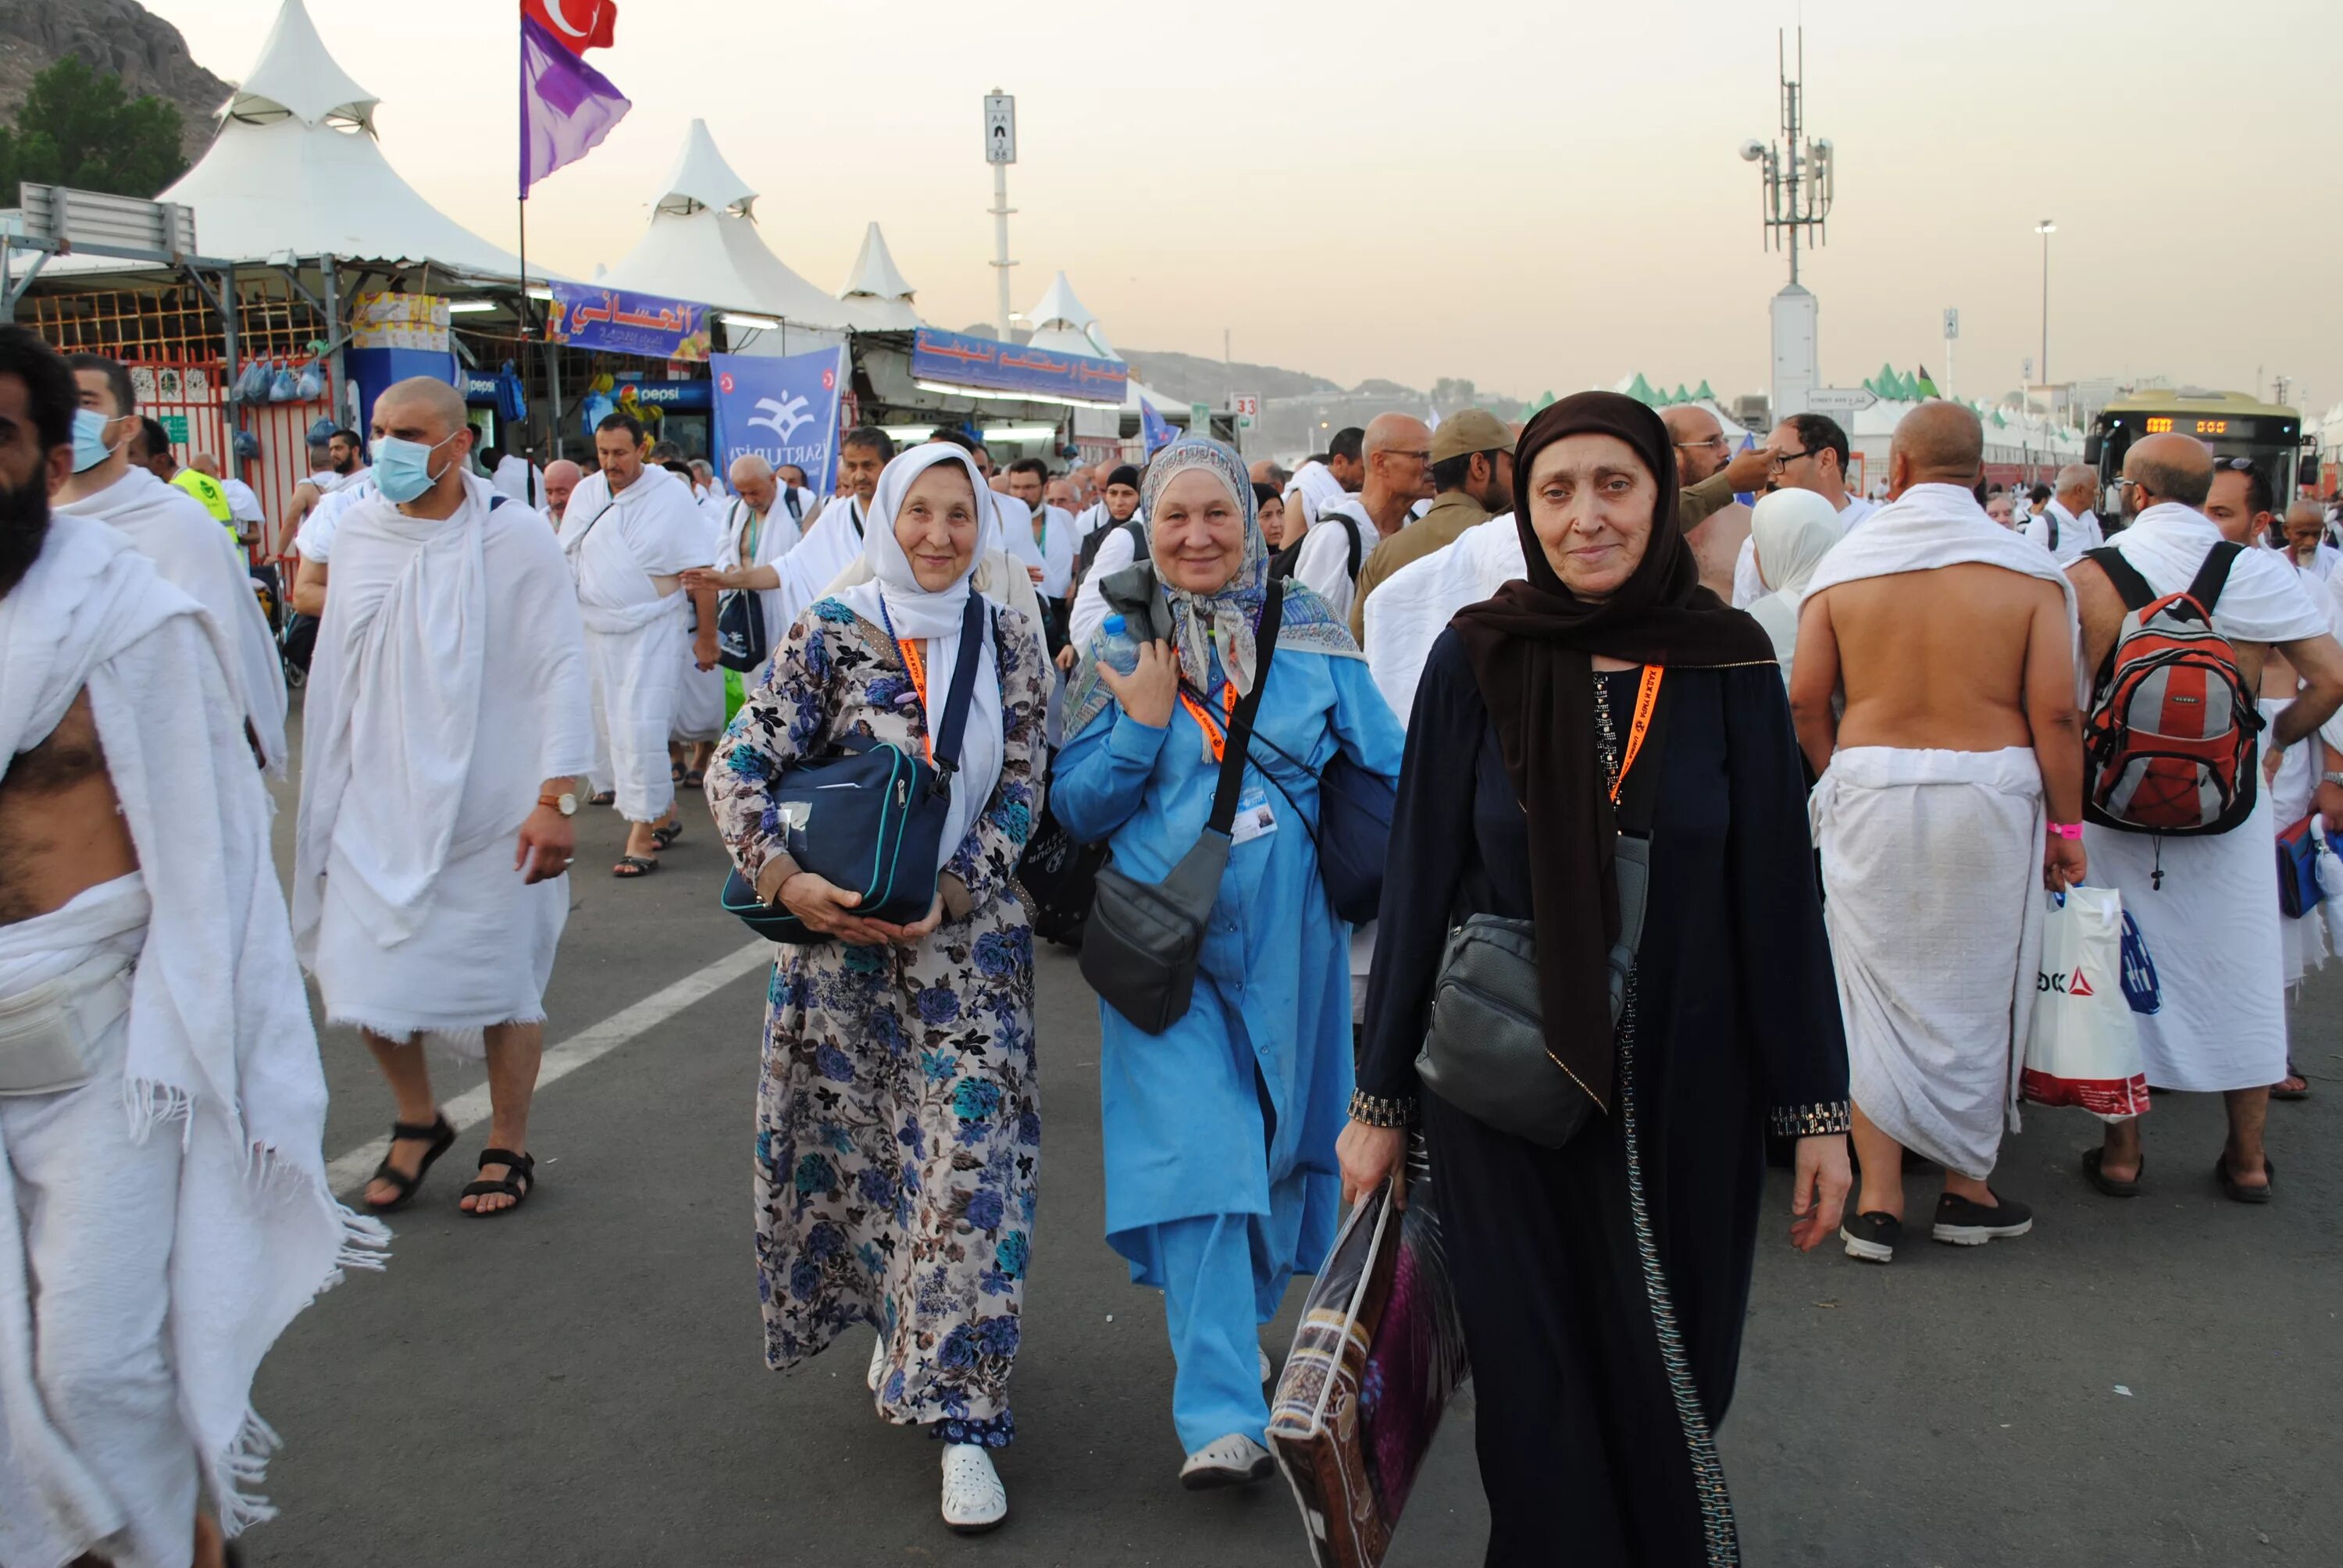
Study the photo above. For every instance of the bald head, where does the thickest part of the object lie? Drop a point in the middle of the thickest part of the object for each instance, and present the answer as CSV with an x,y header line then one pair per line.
x,y
1396,450
1394,432
1699,441
206,463
423,400
753,482
2170,469
562,477
1937,444
2075,487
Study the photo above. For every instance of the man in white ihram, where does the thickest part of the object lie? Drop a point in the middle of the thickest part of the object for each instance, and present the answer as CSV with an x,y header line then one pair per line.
x,y
446,719
630,534
164,1210
172,529
2066,526
760,528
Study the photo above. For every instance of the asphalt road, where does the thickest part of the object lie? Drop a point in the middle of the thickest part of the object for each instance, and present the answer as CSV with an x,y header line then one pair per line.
x,y
2144,1382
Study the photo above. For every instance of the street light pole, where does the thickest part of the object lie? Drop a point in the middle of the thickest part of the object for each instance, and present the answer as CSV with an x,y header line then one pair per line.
x,y
2045,229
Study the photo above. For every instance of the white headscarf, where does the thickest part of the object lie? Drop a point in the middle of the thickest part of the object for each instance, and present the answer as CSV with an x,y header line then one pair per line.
x,y
893,598
1794,530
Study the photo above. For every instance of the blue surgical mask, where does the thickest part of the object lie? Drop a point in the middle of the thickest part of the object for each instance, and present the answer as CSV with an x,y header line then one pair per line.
x,y
402,469
90,440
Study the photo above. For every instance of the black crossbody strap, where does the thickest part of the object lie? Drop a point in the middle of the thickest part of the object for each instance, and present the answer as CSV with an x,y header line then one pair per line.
x,y
2130,587
963,686
1239,735
2213,575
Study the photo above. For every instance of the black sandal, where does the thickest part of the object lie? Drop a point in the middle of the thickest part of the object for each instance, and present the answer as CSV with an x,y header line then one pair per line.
x,y
629,866
603,798
441,1137
519,1182
695,779
665,837
2237,1191
2107,1185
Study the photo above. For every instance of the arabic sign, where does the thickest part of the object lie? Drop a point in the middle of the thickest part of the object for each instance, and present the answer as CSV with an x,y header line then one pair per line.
x,y
586,316
1000,128
1840,399
783,409
994,366
385,320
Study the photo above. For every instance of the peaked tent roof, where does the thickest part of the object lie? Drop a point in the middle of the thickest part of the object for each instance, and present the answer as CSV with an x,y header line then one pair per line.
x,y
703,245
876,294
295,169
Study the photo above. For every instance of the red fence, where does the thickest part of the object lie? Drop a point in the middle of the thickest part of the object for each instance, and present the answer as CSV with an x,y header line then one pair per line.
x,y
189,399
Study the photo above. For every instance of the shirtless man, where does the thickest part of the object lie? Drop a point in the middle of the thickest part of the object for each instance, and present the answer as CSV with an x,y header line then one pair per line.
x,y
1952,641
1702,452
2203,902
147,1235
343,464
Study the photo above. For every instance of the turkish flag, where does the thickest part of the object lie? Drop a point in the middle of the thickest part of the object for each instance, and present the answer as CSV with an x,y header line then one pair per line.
x,y
576,25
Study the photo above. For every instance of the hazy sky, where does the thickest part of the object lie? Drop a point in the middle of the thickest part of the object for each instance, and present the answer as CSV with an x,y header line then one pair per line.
x,y
1533,195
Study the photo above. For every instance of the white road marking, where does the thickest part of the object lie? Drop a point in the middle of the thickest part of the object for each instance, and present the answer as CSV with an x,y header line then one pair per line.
x,y
471,1108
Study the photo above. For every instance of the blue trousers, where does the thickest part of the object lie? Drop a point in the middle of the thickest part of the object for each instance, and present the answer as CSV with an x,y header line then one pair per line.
x,y
1222,1277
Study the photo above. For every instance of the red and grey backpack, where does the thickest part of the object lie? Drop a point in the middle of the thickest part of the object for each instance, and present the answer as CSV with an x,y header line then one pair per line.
x,y
2170,746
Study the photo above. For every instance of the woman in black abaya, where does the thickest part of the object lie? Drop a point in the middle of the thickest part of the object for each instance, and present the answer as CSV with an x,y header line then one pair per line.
x,y
1603,1285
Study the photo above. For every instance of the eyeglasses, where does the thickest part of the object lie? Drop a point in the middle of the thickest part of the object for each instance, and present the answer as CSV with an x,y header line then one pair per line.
x,y
1695,446
1419,456
1784,459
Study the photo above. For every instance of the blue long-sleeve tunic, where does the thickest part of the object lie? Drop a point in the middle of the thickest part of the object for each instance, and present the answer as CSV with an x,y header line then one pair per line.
x,y
1269,1029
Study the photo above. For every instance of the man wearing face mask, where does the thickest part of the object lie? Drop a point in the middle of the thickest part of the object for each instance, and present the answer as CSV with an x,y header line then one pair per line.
x,y
447,721
630,533
161,1107
172,529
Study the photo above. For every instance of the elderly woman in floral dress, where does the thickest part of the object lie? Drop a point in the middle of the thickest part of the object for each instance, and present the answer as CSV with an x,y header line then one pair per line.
x,y
898,1123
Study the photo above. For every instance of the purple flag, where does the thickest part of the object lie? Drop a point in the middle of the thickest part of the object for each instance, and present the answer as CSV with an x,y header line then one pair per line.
x,y
566,106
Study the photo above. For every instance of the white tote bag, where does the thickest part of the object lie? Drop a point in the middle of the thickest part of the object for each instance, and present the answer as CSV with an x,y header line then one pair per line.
x,y
2329,867
2084,1047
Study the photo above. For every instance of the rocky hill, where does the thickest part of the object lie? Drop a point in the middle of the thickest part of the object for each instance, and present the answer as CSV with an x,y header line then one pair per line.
x,y
1191,378
120,36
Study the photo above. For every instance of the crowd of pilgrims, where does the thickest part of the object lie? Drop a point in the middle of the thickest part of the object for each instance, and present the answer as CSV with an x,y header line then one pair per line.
x,y
1529,636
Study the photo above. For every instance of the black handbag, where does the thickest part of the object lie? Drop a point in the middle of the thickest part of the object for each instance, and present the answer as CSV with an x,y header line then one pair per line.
x,y
868,819
1352,833
741,640
1060,876
1141,946
1485,1051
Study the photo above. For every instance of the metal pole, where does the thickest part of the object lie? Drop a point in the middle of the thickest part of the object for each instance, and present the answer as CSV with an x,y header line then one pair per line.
x,y
2043,364
1001,262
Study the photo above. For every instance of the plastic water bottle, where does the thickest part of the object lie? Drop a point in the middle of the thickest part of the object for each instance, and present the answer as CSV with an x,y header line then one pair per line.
x,y
1118,647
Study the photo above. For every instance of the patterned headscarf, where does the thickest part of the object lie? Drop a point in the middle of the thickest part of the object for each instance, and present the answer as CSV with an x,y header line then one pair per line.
x,y
1225,617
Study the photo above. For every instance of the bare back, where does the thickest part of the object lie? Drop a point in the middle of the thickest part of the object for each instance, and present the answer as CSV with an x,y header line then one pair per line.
x,y
61,827
1716,543
1939,659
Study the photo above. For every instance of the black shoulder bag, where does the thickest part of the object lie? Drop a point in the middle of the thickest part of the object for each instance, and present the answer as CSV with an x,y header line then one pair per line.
x,y
1485,1052
1141,946
741,640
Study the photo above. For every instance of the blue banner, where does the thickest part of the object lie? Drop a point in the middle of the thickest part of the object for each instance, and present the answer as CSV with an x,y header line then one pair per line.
x,y
980,362
587,317
783,409
1155,429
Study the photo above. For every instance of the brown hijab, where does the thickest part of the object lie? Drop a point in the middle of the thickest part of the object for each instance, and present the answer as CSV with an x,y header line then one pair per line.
x,y
1532,648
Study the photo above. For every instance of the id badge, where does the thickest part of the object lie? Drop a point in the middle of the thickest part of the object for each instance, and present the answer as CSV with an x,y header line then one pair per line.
x,y
1254,818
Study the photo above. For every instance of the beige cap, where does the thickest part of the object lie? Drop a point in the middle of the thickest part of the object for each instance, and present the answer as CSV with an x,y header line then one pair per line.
x,y
1473,430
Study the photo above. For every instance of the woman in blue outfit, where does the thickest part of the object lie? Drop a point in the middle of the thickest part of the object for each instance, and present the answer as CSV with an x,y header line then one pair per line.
x,y
1220,1133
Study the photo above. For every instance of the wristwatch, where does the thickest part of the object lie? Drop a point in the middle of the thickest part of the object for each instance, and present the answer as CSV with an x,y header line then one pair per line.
x,y
566,803
2331,778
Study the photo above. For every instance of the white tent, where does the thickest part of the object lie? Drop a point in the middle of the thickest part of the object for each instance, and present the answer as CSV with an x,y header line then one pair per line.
x,y
1063,324
297,171
703,246
876,294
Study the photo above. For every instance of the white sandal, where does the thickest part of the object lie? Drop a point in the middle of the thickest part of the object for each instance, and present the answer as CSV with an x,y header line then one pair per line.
x,y
1235,1460
974,1500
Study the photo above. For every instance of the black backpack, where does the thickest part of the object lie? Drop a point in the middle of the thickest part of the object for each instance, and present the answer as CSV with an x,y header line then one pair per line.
x,y
1282,564
1088,555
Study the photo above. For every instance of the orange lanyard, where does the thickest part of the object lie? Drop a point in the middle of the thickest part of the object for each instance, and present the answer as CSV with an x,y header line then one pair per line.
x,y
916,664
1647,699
1214,733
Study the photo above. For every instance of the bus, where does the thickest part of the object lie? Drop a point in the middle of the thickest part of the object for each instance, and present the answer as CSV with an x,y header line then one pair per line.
x,y
2233,424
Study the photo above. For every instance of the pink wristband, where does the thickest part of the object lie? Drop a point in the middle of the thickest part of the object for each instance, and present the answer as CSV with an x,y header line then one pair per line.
x,y
2066,829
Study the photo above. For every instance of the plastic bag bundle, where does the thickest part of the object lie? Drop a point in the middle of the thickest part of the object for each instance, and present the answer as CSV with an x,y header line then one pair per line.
x,y
284,386
1379,1352
252,382
309,387
2083,1049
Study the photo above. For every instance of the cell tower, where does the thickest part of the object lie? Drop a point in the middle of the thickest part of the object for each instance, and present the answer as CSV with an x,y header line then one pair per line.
x,y
1800,181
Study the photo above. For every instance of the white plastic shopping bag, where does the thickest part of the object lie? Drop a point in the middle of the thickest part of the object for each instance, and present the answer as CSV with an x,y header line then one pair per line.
x,y
2329,867
2084,1047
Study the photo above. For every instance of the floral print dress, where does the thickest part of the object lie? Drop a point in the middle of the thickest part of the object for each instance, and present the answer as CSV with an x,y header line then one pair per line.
x,y
898,1125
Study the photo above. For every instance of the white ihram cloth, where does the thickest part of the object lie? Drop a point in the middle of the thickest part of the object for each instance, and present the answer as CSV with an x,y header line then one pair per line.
x,y
1932,894
833,545
1932,875
195,555
2212,927
1053,552
1313,487
751,541
449,683
2075,534
894,599
217,1063
314,541
1748,587
637,639
1115,552
1406,615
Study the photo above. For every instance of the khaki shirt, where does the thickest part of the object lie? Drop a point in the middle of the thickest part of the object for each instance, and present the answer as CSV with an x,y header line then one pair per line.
x,y
1452,512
